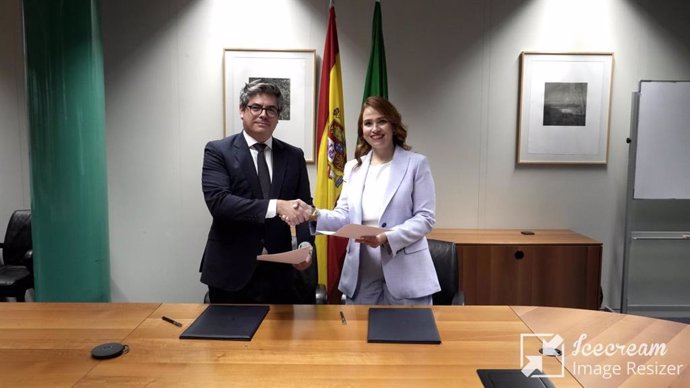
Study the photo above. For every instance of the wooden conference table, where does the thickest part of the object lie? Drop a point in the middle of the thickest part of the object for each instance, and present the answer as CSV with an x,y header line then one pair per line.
x,y
49,344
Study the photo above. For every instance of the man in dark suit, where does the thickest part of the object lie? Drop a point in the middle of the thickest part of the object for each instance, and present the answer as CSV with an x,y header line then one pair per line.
x,y
252,183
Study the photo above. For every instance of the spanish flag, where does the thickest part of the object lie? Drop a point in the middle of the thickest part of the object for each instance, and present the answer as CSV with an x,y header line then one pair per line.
x,y
331,156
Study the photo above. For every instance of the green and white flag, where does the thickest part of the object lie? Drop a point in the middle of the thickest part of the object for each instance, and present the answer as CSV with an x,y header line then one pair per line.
x,y
376,83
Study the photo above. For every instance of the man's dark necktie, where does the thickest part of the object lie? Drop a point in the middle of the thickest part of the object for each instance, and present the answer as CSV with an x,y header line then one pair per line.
x,y
262,167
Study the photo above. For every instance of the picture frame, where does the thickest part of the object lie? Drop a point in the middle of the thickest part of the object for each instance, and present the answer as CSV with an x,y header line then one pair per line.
x,y
294,71
564,108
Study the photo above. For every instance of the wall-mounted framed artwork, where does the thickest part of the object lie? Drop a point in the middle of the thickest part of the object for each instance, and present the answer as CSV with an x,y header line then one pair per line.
x,y
294,72
564,106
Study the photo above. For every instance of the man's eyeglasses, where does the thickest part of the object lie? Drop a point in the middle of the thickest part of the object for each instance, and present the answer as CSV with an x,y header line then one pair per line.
x,y
271,111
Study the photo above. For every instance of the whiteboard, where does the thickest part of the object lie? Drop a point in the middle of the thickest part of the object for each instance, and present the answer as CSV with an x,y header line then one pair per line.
x,y
662,162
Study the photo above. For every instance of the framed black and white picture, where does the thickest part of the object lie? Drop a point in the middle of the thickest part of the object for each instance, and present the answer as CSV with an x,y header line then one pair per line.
x,y
564,104
294,73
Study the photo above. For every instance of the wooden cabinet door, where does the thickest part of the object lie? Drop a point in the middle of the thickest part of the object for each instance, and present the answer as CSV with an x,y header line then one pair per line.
x,y
538,275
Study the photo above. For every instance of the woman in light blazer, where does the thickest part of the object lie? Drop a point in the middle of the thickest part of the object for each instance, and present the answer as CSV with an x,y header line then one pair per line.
x,y
391,187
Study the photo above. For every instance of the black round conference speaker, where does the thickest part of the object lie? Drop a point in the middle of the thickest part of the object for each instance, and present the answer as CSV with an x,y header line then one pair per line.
x,y
109,350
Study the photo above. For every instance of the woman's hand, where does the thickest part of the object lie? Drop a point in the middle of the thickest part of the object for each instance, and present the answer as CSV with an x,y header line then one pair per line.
x,y
373,241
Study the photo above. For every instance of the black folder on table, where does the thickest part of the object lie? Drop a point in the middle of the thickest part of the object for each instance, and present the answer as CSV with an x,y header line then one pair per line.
x,y
224,322
511,378
403,325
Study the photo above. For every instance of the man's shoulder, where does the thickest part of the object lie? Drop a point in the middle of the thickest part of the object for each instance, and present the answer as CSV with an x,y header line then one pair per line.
x,y
286,147
224,142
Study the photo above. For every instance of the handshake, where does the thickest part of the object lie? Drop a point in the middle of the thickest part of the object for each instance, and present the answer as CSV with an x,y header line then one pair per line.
x,y
294,212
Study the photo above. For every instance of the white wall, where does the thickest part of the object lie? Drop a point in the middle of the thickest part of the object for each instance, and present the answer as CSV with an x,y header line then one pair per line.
x,y
453,73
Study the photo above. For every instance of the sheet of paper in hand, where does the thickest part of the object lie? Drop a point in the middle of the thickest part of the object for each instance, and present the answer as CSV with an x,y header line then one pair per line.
x,y
291,257
355,231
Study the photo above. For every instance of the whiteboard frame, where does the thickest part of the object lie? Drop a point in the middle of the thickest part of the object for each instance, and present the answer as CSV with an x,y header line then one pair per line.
x,y
631,233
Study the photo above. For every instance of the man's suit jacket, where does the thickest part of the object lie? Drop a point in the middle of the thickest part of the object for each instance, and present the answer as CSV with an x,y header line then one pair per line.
x,y
240,229
409,211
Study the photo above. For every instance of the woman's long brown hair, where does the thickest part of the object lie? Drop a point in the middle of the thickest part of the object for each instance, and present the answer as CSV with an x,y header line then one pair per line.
x,y
388,110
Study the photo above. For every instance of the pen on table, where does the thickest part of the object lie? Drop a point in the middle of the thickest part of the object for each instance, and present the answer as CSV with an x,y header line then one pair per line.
x,y
174,322
342,318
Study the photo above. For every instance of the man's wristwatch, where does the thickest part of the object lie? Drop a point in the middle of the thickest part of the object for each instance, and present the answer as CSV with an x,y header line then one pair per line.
x,y
314,214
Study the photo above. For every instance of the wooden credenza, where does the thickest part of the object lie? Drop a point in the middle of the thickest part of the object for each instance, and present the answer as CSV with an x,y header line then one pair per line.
x,y
557,268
